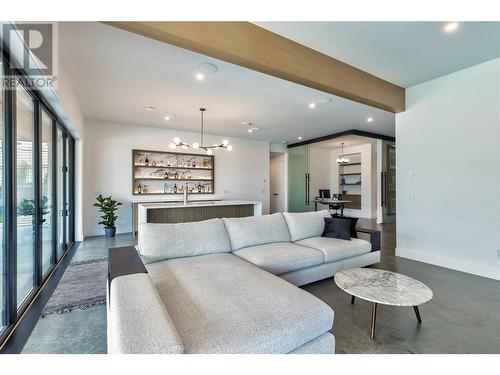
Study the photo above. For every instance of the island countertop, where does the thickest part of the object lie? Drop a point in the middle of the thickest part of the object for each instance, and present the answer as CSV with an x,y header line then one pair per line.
x,y
198,204
159,211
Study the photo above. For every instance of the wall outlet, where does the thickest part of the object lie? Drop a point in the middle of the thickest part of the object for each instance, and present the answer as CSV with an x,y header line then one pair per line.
x,y
226,191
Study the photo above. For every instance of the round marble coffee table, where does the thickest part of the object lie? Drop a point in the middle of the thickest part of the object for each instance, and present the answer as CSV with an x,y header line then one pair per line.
x,y
383,287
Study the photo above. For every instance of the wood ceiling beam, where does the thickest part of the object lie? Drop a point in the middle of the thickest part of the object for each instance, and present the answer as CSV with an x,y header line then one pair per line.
x,y
250,46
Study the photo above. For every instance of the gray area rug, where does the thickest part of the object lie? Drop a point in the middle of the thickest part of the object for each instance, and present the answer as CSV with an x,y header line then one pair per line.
x,y
83,285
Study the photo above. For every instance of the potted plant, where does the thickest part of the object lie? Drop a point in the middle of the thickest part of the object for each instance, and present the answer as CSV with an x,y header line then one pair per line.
x,y
107,206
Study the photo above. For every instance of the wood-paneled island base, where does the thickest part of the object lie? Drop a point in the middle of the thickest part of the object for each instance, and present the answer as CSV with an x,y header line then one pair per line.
x,y
174,212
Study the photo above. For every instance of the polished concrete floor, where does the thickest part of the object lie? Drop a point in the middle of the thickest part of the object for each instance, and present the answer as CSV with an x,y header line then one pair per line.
x,y
463,316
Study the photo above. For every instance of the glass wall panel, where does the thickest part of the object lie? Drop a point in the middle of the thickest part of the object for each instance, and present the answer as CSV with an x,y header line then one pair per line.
x,y
46,204
298,179
34,161
61,242
25,195
3,291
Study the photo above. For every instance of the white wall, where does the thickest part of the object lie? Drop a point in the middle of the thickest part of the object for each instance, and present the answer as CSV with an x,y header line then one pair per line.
x,y
240,174
320,170
368,179
449,138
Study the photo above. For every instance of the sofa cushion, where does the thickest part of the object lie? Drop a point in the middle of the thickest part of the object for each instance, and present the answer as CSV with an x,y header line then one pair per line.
x,y
305,224
220,303
138,322
337,228
336,249
281,257
256,230
167,241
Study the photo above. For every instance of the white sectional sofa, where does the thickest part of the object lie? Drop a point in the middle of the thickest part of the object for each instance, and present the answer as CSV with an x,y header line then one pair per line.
x,y
228,286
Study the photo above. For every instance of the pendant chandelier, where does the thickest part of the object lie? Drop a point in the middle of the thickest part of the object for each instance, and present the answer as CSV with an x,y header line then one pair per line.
x,y
341,158
208,149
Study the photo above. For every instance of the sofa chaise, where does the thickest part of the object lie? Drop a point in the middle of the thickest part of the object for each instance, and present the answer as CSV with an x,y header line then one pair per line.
x,y
228,285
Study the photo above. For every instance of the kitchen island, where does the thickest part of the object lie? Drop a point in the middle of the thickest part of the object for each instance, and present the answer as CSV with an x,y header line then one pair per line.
x,y
178,212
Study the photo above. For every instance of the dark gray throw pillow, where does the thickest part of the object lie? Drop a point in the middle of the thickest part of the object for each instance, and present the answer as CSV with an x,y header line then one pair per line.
x,y
337,228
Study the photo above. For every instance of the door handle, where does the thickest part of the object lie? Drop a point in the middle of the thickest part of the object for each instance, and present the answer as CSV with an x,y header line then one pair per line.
x,y
308,178
383,187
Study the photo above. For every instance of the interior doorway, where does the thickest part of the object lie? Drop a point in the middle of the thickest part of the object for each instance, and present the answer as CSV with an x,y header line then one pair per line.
x,y
277,181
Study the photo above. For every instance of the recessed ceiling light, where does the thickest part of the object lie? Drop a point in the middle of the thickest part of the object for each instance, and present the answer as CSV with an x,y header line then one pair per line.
x,y
149,107
324,100
451,27
200,76
299,138
250,130
312,105
208,68
369,119
169,116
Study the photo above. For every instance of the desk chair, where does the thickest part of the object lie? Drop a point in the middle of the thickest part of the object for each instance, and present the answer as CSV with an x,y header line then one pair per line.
x,y
325,194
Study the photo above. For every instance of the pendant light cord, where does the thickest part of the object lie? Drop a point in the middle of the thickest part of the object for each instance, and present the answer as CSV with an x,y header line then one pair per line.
x,y
201,136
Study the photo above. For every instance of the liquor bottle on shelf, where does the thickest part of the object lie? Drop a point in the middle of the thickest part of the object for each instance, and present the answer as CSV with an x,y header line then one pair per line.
x,y
145,189
139,189
146,162
175,188
199,187
165,187
176,175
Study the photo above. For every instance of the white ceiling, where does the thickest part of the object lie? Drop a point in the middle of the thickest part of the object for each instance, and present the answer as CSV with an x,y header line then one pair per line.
x,y
115,73
404,53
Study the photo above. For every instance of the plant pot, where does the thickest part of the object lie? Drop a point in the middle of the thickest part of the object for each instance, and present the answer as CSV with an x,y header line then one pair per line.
x,y
110,232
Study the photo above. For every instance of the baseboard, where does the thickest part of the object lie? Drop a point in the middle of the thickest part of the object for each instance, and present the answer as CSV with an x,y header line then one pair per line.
x,y
454,264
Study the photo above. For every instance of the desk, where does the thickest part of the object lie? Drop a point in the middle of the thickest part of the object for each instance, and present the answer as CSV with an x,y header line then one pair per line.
x,y
341,203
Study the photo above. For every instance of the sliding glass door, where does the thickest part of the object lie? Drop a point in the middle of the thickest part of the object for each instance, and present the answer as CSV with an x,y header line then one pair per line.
x,y
36,194
47,192
298,179
3,252
64,170
25,194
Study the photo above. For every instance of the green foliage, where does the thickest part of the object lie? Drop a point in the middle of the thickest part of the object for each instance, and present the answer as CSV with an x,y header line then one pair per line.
x,y
27,207
107,206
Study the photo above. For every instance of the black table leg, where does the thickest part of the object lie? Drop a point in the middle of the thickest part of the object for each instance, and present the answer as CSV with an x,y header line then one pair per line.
x,y
352,300
417,313
342,210
315,206
374,318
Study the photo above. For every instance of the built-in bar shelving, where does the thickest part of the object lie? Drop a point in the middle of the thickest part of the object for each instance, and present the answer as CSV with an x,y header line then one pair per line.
x,y
170,173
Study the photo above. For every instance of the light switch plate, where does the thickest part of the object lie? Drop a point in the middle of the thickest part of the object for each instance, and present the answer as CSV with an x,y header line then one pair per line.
x,y
411,175
412,195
